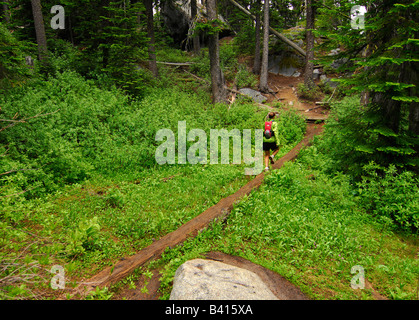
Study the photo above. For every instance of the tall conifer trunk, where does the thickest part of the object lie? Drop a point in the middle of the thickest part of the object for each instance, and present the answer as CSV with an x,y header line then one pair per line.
x,y
263,85
195,40
41,38
308,71
6,12
256,63
150,34
413,77
217,78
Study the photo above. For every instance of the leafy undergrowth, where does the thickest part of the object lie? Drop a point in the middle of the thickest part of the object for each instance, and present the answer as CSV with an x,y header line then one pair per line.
x,y
312,229
80,187
88,226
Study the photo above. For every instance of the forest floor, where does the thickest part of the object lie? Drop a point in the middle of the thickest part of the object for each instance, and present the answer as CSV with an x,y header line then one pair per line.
x,y
139,276
285,89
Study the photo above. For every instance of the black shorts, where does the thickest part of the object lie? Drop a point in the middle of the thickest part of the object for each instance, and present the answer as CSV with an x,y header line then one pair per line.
x,y
270,146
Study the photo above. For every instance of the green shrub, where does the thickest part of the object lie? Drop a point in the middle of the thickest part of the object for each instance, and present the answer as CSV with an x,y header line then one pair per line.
x,y
65,57
292,126
228,59
387,193
245,78
13,70
390,194
244,39
307,93
201,65
168,54
83,237
86,130
228,62
69,127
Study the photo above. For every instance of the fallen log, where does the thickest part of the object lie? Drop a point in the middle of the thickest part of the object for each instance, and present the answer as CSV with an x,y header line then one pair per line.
x,y
175,63
313,118
311,109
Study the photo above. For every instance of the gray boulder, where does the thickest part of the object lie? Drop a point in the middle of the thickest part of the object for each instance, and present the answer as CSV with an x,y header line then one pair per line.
x,y
332,84
255,95
286,64
287,71
201,279
334,52
175,20
339,63
316,74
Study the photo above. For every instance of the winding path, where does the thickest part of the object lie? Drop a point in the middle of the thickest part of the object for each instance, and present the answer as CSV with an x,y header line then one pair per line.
x,y
126,266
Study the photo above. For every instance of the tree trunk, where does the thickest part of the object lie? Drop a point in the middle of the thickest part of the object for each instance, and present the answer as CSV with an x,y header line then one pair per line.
x,y
263,85
150,34
413,68
195,40
414,119
412,77
70,30
389,109
276,33
41,38
308,71
365,95
219,93
256,63
6,12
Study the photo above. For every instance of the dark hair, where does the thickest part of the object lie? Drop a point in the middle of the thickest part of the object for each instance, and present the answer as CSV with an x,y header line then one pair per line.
x,y
271,115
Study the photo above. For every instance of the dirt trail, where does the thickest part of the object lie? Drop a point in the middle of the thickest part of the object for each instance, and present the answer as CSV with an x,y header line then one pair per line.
x,y
126,266
285,88
286,93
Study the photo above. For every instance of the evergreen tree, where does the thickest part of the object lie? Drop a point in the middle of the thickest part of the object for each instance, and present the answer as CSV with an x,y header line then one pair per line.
x,y
391,74
123,44
13,69
383,60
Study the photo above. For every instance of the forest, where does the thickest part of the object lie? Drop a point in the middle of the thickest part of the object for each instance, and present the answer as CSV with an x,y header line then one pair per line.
x,y
88,186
